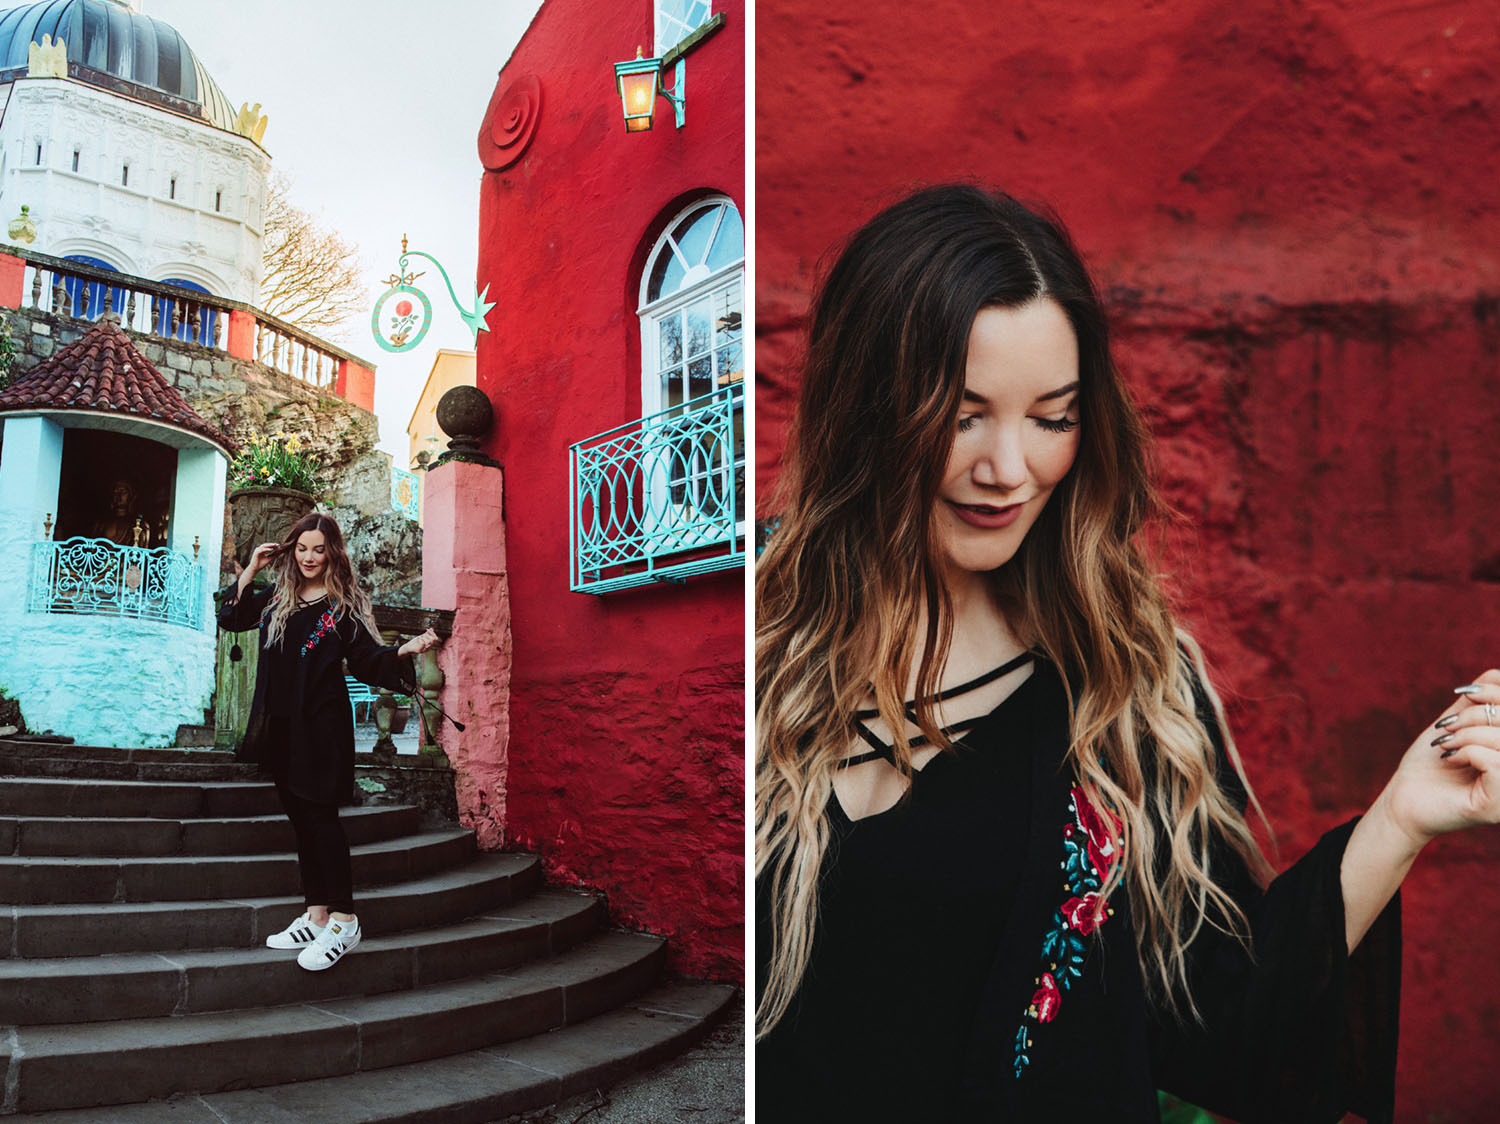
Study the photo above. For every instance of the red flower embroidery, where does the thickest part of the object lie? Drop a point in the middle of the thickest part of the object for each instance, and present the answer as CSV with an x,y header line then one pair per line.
x,y
1048,998
1101,830
1084,914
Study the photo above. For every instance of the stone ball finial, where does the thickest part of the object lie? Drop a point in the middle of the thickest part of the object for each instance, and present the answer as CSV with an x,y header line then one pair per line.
x,y
465,415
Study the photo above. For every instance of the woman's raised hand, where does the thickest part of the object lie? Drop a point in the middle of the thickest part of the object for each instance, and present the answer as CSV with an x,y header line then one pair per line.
x,y
1450,777
261,556
418,644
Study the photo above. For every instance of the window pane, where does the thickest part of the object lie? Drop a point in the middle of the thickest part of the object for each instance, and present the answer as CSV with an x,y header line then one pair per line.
x,y
675,19
692,234
700,376
670,334
699,326
729,245
729,364
666,275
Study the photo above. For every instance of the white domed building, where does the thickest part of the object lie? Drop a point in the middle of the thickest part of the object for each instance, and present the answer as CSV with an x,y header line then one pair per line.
x,y
124,149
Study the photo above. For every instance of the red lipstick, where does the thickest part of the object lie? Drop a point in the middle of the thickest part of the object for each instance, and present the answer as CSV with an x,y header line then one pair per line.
x,y
986,516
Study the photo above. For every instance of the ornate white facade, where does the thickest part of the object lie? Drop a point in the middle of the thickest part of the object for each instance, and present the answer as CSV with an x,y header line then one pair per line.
x,y
152,192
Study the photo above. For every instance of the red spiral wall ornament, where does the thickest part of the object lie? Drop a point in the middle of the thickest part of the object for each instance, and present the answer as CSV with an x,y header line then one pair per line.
x,y
510,122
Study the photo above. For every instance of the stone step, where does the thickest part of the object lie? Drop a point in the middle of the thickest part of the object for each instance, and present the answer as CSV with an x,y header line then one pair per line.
x,y
122,838
195,736
81,989
69,768
49,931
110,799
10,749
88,1064
475,1087
52,881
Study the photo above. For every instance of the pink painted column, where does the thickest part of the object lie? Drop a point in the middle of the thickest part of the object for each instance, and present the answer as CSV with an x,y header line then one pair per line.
x,y
463,569
355,384
241,340
12,280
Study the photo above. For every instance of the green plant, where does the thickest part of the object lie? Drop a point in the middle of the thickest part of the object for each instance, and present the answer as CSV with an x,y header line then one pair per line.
x,y
7,354
274,462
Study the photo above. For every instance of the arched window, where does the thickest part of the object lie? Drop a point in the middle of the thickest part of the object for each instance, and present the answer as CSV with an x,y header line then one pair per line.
x,y
692,357
72,285
692,306
195,322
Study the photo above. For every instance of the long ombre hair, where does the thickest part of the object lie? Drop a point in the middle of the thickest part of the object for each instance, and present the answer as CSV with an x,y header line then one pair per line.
x,y
854,561
338,579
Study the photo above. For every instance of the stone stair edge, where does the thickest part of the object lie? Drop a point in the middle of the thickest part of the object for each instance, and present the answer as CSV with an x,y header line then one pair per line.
x,y
107,988
475,1087
138,1059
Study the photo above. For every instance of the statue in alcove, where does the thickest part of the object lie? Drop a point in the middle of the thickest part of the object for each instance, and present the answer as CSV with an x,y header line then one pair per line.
x,y
123,524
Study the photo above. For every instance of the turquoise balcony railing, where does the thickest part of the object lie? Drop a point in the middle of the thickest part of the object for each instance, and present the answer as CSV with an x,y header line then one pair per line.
x,y
662,498
97,576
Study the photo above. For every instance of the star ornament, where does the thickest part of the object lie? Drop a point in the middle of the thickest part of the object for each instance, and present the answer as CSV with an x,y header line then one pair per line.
x,y
476,319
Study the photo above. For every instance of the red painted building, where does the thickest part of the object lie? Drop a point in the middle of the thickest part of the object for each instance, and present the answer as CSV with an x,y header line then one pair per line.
x,y
1294,212
616,263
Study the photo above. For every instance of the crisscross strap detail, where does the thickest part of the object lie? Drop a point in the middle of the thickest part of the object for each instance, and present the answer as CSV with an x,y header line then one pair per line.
x,y
879,750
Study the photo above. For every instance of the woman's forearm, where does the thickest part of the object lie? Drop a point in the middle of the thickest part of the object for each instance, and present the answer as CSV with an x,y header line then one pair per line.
x,y
1376,859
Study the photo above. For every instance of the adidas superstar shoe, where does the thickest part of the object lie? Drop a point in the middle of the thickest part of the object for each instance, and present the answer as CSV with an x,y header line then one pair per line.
x,y
299,934
337,938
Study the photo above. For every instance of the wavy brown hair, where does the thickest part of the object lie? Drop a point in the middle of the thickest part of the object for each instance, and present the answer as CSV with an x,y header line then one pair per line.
x,y
338,578
855,560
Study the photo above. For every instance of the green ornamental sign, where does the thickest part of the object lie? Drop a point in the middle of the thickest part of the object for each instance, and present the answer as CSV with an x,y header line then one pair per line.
x,y
401,317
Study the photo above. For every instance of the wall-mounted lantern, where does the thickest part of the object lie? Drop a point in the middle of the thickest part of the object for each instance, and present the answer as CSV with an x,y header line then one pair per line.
x,y
639,83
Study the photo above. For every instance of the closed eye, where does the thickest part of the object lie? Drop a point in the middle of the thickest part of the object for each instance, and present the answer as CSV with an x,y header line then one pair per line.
x,y
1057,425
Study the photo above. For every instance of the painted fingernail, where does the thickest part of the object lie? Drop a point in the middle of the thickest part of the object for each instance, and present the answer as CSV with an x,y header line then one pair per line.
x,y
1447,753
1444,723
1442,738
1471,689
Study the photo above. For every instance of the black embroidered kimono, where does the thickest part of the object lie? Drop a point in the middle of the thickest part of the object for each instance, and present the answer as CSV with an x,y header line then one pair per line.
x,y
318,759
963,969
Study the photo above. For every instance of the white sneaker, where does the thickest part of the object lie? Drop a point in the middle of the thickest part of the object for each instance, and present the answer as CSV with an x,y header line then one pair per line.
x,y
299,934
337,938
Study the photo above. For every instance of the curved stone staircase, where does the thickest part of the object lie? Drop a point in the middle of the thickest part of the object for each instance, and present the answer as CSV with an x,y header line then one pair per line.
x,y
138,887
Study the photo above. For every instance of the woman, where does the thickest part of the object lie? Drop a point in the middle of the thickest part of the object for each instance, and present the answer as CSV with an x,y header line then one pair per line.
x,y
313,618
1003,868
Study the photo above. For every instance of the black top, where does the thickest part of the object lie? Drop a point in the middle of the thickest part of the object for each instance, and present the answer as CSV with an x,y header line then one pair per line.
x,y
281,660
302,679
963,968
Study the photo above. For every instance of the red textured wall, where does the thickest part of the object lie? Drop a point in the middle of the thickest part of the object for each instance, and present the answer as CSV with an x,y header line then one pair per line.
x,y
1295,212
626,766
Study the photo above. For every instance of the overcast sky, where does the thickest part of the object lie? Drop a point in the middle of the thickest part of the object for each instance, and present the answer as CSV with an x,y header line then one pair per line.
x,y
374,113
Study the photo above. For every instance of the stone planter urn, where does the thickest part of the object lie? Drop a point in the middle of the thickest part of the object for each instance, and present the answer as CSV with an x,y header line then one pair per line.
x,y
264,515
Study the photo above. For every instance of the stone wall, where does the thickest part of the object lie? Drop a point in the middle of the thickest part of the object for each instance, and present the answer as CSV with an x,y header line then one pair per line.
x,y
242,397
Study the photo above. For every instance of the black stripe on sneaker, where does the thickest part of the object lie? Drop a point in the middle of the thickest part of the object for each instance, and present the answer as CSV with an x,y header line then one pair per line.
x,y
332,956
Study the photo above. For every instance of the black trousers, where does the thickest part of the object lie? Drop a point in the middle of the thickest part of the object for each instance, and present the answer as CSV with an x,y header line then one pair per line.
x,y
322,851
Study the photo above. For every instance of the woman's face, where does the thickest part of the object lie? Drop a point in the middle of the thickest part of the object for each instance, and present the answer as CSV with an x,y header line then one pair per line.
x,y
312,555
1017,433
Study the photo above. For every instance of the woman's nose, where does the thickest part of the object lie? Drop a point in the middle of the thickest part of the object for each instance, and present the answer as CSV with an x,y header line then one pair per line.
x,y
1002,463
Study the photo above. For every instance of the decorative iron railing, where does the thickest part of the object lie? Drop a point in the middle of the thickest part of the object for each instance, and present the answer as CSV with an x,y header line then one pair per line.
x,y
97,576
662,498
70,288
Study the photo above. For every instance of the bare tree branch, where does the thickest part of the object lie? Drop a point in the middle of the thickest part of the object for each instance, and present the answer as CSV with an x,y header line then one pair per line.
x,y
312,274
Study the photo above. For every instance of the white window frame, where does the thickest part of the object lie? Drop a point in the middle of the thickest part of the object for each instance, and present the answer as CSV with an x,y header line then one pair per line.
x,y
662,22
652,313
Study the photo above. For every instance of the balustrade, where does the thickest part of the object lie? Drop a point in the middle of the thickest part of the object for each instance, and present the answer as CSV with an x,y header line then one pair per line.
x,y
661,498
96,576
68,288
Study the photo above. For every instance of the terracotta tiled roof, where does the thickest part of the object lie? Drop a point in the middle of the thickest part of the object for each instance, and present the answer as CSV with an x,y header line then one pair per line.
x,y
102,370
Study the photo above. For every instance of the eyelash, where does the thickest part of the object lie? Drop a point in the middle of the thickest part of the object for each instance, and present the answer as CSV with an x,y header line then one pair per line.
x,y
1051,425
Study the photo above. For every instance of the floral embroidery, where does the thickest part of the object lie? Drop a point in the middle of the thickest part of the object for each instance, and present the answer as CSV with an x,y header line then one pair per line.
x,y
1089,847
326,624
